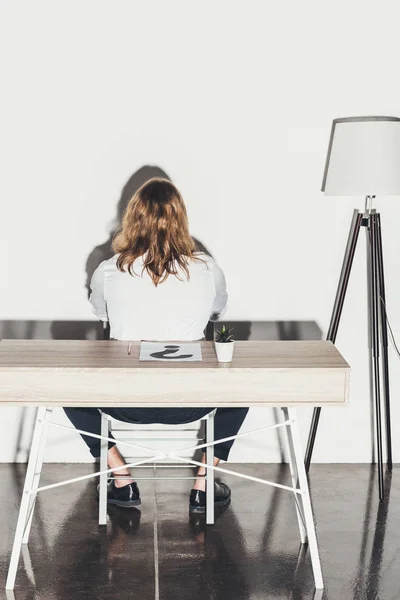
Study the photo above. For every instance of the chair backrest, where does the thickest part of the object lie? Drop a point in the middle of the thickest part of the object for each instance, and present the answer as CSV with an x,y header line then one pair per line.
x,y
106,330
208,332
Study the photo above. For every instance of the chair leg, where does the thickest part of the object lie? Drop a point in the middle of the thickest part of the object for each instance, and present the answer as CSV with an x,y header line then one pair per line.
x,y
294,436
209,424
37,474
23,515
103,467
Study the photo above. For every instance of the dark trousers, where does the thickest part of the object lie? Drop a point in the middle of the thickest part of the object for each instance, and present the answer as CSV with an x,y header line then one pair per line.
x,y
227,422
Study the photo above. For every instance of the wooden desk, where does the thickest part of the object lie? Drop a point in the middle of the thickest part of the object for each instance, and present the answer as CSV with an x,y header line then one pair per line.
x,y
72,373
101,373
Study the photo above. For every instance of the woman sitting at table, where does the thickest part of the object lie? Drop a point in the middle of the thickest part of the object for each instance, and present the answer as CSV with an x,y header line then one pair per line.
x,y
158,287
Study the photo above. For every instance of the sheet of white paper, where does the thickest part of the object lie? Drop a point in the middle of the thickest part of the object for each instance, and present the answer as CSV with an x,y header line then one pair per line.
x,y
170,351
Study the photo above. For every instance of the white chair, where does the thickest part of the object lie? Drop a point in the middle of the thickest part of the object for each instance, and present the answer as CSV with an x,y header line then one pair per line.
x,y
107,429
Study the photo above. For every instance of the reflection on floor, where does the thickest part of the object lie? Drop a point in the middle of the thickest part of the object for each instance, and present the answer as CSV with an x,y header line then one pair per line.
x,y
251,553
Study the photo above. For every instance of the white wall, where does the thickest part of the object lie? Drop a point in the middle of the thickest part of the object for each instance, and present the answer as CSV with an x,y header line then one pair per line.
x,y
234,100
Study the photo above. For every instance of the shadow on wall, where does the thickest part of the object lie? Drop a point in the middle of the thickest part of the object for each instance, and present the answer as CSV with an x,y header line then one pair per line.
x,y
93,330
104,251
268,330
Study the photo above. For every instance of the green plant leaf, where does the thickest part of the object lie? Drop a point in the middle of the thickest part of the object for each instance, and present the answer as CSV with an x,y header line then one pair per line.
x,y
224,335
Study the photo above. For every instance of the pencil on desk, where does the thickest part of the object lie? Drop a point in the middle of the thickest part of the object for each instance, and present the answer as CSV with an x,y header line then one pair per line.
x,y
129,347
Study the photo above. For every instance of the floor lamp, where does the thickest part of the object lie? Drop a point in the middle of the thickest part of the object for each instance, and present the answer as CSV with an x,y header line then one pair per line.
x,y
364,160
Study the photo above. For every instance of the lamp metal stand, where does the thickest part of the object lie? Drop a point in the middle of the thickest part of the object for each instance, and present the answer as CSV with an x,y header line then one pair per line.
x,y
377,322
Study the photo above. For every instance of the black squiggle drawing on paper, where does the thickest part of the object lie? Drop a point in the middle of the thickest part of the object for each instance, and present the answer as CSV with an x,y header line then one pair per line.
x,y
168,351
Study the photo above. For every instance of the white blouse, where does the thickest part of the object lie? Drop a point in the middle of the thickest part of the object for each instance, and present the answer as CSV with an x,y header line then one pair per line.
x,y
175,310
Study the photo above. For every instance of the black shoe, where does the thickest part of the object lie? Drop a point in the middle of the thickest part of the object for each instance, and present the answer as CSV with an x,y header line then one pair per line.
x,y
197,501
126,496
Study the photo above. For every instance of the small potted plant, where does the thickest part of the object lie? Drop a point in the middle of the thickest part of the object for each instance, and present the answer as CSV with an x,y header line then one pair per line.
x,y
224,344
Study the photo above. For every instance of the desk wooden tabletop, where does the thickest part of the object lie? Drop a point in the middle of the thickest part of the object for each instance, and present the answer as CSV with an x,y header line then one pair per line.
x,y
87,355
102,373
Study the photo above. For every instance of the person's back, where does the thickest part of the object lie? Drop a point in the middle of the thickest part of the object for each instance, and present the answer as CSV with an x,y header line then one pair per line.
x,y
157,287
177,309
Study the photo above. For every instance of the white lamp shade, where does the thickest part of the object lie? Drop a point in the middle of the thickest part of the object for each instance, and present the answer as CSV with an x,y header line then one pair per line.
x,y
363,157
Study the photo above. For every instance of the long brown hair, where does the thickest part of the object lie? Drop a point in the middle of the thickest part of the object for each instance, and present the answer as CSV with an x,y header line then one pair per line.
x,y
155,225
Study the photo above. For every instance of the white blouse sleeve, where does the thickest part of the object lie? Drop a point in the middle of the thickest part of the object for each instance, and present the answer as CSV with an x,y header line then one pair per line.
x,y
97,298
221,296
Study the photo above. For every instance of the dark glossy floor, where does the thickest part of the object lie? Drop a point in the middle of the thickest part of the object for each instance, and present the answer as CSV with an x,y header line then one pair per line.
x,y
251,553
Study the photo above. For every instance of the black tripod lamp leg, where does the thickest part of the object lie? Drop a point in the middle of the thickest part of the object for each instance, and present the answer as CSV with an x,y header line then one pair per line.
x,y
384,340
344,275
336,314
311,437
374,324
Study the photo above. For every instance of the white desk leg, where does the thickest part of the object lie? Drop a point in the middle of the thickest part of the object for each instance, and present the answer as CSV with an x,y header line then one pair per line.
x,y
209,424
293,433
103,467
25,501
295,482
36,477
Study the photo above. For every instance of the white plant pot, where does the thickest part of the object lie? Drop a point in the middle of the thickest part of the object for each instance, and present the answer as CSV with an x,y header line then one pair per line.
x,y
224,351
